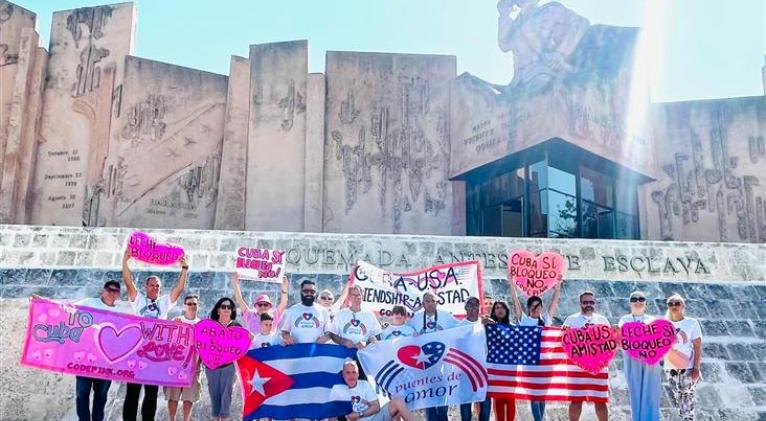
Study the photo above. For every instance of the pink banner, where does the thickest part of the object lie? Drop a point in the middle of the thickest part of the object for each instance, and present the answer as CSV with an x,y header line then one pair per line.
x,y
145,248
89,342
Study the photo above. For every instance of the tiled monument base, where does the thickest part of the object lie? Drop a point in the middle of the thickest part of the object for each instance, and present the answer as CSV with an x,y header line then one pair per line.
x,y
724,285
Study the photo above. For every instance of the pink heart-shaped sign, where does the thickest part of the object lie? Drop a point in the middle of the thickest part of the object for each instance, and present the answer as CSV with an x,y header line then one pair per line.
x,y
535,274
115,344
146,249
648,343
219,345
591,348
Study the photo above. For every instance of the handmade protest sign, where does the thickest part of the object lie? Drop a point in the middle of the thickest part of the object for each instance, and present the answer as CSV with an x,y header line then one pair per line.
x,y
146,249
648,343
260,264
219,345
591,348
72,339
452,283
535,274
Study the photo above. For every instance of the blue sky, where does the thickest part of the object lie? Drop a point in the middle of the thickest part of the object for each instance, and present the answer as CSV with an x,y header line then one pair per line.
x,y
706,48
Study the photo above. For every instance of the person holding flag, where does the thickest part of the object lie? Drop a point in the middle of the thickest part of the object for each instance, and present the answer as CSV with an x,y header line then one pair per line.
x,y
364,400
305,322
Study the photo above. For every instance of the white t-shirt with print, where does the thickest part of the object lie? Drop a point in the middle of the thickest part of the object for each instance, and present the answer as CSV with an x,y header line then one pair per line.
x,y
305,324
578,320
153,309
360,396
529,321
400,331
427,324
687,330
262,341
356,327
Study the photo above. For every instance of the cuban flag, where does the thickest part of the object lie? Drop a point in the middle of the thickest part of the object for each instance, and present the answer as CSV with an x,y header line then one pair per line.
x,y
284,382
435,369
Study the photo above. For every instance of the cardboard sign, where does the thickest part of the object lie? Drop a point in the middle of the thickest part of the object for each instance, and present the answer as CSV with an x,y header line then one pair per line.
x,y
452,283
260,264
219,345
146,249
648,343
591,348
66,338
535,275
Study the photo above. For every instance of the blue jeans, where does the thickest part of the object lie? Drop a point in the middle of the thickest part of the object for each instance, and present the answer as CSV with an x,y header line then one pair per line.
x,y
438,413
83,386
538,410
484,410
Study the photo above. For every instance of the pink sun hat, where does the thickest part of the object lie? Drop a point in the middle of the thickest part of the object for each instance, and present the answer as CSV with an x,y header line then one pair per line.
x,y
263,298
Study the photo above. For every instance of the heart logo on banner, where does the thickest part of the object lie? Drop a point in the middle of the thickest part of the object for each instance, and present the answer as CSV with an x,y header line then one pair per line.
x,y
115,344
535,274
591,348
421,357
219,345
648,343
146,249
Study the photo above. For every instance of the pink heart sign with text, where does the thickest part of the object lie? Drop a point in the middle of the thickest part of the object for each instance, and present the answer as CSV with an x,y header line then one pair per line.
x,y
146,249
591,348
220,345
535,274
648,343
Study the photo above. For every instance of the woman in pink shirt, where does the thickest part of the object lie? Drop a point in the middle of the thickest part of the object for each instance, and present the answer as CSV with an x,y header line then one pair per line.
x,y
261,304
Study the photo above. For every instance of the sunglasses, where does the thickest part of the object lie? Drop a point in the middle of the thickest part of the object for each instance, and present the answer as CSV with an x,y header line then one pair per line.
x,y
637,299
325,298
263,305
308,291
588,303
674,304
115,290
225,307
191,304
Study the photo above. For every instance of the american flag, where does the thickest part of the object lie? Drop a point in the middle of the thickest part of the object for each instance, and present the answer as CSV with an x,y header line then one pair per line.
x,y
529,363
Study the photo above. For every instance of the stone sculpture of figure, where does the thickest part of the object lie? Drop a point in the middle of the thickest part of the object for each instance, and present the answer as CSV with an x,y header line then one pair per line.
x,y
542,38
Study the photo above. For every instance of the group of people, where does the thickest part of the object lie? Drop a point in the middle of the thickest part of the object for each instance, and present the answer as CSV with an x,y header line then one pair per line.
x,y
343,322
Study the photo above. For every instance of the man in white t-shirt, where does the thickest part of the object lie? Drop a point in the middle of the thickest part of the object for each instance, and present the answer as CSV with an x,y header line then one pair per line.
x,y
305,322
430,320
398,327
266,336
364,402
190,394
586,317
152,305
682,363
109,300
353,327
472,306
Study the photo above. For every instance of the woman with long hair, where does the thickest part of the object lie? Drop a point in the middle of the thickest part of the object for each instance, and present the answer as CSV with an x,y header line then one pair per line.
x,y
535,317
505,409
220,381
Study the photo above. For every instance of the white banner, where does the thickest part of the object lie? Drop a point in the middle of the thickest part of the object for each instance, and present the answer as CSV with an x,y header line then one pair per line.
x,y
452,283
435,369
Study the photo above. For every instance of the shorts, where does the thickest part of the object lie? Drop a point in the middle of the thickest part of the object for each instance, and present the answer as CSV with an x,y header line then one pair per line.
x,y
383,415
191,393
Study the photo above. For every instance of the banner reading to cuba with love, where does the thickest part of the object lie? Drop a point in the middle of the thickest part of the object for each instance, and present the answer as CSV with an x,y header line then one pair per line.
x,y
435,369
66,338
452,283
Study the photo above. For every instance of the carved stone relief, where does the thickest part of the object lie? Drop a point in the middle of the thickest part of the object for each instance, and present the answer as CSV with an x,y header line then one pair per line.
x,y
6,57
145,120
88,72
696,187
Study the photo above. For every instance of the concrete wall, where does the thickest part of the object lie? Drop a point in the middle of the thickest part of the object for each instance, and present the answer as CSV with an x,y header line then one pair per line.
x,y
22,72
68,263
277,137
387,143
712,185
87,56
165,151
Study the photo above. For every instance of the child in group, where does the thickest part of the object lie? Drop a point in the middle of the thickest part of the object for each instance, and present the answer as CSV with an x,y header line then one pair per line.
x,y
397,329
267,336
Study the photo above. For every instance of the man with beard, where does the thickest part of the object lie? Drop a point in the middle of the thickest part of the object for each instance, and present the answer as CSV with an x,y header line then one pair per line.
x,y
586,317
305,322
